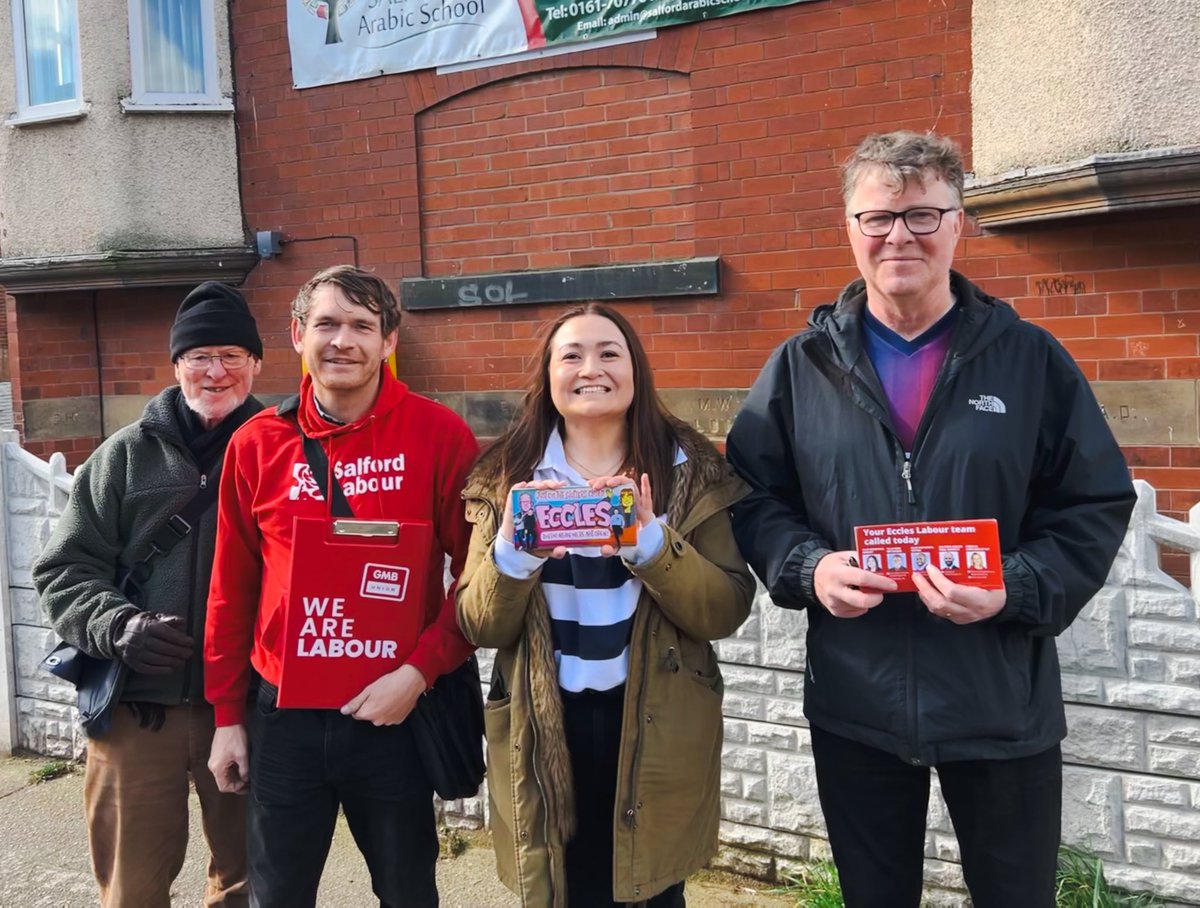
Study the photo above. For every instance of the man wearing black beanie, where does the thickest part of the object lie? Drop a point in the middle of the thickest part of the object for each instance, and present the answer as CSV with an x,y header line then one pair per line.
x,y
136,785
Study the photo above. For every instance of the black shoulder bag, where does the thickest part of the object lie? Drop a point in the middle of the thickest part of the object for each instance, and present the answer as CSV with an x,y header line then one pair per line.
x,y
447,722
99,683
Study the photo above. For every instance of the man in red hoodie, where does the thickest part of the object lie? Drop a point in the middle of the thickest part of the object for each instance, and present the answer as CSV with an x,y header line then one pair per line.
x,y
300,764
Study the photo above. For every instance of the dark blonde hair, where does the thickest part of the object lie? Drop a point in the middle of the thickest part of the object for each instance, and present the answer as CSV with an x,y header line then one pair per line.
x,y
361,287
653,433
905,157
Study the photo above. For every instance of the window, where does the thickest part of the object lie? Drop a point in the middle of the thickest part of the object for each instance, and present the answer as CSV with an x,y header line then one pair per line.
x,y
173,55
46,40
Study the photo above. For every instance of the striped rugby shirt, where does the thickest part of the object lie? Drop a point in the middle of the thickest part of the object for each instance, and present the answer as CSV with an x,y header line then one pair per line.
x,y
591,598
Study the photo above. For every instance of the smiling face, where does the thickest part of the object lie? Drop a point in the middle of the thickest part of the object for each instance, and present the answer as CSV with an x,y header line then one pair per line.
x,y
341,344
591,371
902,268
215,392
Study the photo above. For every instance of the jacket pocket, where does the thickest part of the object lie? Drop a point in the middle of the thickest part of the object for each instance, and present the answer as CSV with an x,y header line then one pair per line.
x,y
497,724
698,661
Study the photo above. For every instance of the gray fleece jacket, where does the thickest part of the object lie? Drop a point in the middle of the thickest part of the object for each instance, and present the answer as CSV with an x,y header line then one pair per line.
x,y
122,494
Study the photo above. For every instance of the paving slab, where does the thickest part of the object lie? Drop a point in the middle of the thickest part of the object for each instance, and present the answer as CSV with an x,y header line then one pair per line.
x,y
44,857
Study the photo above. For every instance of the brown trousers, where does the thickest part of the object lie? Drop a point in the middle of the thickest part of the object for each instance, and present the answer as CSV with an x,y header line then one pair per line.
x,y
136,800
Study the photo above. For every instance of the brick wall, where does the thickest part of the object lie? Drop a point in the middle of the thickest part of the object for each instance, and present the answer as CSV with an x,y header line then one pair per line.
x,y
718,138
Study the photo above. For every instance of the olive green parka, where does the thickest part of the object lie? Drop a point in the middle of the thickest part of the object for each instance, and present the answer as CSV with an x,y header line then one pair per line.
x,y
696,589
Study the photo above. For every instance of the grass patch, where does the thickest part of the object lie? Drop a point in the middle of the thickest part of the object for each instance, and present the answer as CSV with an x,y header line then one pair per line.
x,y
452,842
813,886
1080,884
50,770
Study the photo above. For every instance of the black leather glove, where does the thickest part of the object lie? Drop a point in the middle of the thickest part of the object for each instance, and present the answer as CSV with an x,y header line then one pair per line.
x,y
153,644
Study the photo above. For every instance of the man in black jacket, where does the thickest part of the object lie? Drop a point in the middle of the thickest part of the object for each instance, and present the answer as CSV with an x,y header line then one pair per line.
x,y
917,397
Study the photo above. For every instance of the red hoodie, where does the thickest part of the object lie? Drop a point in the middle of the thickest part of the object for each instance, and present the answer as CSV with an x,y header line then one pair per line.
x,y
406,458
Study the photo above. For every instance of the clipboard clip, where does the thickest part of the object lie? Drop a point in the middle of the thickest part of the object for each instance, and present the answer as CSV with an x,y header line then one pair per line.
x,y
389,529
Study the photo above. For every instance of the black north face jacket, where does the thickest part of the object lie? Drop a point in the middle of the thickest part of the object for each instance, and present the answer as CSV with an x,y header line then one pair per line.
x,y
1011,431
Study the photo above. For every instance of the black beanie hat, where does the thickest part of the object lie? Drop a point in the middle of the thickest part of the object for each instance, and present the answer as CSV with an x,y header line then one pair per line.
x,y
214,314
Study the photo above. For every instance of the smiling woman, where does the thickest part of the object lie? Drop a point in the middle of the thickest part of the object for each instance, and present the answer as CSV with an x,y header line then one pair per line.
x,y
605,631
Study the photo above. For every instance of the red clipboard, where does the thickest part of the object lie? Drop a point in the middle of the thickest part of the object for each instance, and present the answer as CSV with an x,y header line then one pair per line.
x,y
355,606
966,551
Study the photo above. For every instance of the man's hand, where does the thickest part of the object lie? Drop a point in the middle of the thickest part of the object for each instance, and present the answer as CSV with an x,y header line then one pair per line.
x,y
390,699
229,759
151,643
957,602
846,590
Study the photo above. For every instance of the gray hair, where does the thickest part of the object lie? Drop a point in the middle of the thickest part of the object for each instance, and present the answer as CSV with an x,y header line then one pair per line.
x,y
905,157
361,287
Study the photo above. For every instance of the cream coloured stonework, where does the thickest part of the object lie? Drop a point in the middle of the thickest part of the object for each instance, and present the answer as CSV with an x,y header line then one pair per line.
x,y
112,180
1060,80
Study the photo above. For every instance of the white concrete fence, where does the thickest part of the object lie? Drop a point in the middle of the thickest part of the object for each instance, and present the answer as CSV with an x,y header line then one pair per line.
x,y
1131,678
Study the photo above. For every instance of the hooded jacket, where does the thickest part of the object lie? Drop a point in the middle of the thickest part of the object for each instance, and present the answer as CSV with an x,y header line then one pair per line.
x,y
1012,432
121,497
696,589
406,457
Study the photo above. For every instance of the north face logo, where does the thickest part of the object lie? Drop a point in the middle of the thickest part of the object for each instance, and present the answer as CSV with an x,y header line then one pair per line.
x,y
986,403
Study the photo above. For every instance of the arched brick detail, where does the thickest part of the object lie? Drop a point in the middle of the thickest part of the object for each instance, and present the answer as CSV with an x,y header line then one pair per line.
x,y
558,169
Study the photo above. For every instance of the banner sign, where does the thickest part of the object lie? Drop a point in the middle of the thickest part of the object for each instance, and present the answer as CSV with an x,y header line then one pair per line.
x,y
341,40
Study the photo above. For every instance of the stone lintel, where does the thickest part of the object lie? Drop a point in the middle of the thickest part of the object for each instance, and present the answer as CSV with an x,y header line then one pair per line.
x,y
1159,178
105,270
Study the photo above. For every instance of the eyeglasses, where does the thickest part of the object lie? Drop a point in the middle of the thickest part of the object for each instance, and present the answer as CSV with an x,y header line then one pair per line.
x,y
919,221
200,362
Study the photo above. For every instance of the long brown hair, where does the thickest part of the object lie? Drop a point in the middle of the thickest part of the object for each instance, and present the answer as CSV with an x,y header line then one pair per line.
x,y
652,432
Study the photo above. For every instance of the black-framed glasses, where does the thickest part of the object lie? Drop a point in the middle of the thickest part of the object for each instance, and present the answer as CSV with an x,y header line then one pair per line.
x,y
919,221
200,362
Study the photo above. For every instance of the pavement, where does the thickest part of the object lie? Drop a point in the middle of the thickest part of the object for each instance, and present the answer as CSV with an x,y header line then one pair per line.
x,y
44,858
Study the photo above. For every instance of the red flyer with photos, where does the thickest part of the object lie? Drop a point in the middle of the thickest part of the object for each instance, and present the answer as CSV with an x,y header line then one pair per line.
x,y
966,551
355,607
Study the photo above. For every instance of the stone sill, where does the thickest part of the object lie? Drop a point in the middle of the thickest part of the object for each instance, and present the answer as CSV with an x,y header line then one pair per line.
x,y
33,118
223,106
1128,181
153,268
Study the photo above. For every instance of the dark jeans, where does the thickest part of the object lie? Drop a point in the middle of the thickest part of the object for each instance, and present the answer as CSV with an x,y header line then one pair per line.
x,y
1007,815
592,721
303,764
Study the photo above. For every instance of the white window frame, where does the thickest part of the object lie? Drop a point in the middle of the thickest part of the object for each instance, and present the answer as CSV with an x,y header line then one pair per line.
x,y
142,100
70,109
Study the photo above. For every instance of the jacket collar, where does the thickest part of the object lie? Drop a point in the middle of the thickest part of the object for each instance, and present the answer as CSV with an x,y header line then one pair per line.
x,y
982,318
161,418
392,393
703,484
555,458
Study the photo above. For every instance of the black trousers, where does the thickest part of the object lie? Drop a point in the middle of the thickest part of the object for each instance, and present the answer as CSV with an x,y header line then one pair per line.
x,y
592,721
1007,815
303,764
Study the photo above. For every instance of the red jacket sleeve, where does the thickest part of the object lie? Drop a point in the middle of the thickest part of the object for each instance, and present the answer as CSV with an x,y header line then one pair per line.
x,y
442,647
233,594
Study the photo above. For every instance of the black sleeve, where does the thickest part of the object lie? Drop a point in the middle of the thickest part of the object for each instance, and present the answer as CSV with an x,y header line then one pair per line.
x,y
770,524
1080,501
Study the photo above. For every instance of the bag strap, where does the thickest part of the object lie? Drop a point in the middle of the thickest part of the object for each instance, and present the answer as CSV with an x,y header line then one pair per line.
x,y
179,525
318,462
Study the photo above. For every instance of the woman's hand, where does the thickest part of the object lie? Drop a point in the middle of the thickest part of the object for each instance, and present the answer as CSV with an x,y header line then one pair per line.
x,y
507,523
643,501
